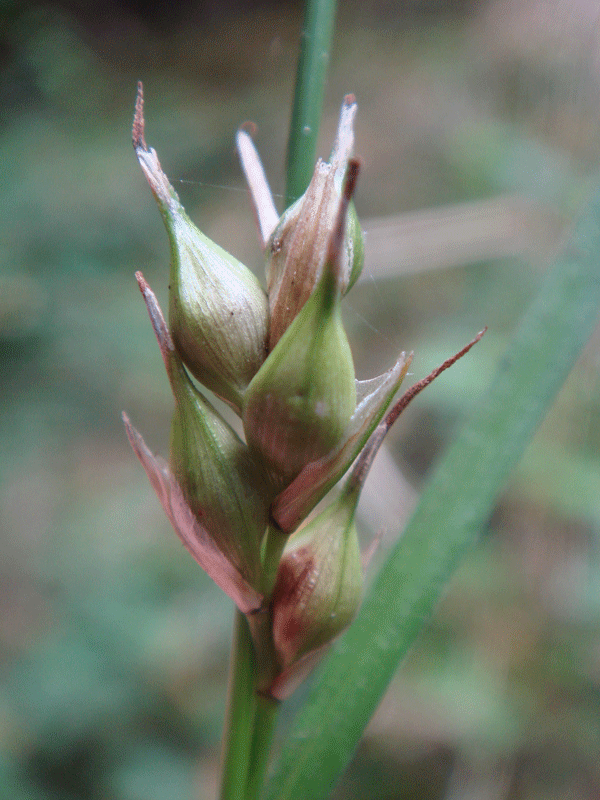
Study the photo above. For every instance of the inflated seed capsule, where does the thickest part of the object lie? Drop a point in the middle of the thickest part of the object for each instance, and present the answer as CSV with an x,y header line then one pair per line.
x,y
299,404
297,249
319,582
218,312
219,478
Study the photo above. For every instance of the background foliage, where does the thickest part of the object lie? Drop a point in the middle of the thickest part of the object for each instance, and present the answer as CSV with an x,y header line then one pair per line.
x,y
114,644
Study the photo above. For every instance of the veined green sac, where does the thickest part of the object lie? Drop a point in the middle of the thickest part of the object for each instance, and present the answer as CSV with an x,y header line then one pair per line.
x,y
297,249
318,589
218,312
298,406
219,478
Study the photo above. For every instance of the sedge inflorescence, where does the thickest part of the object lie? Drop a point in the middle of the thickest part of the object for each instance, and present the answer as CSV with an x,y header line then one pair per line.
x,y
280,358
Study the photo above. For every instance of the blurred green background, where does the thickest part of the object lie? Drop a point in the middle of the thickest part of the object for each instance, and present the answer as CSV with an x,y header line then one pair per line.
x,y
478,128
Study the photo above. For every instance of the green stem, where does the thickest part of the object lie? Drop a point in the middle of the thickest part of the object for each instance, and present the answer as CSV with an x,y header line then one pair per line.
x,y
261,623
264,727
275,541
241,708
315,46
250,717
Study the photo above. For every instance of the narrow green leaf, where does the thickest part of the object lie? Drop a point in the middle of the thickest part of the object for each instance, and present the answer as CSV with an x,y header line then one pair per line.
x,y
458,500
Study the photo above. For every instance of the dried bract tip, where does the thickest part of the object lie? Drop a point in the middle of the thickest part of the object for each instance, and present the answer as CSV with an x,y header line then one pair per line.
x,y
159,326
137,131
260,194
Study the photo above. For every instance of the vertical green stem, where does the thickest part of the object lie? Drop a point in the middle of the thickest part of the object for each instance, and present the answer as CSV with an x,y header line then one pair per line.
x,y
315,46
239,719
249,724
264,728
275,541
261,623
